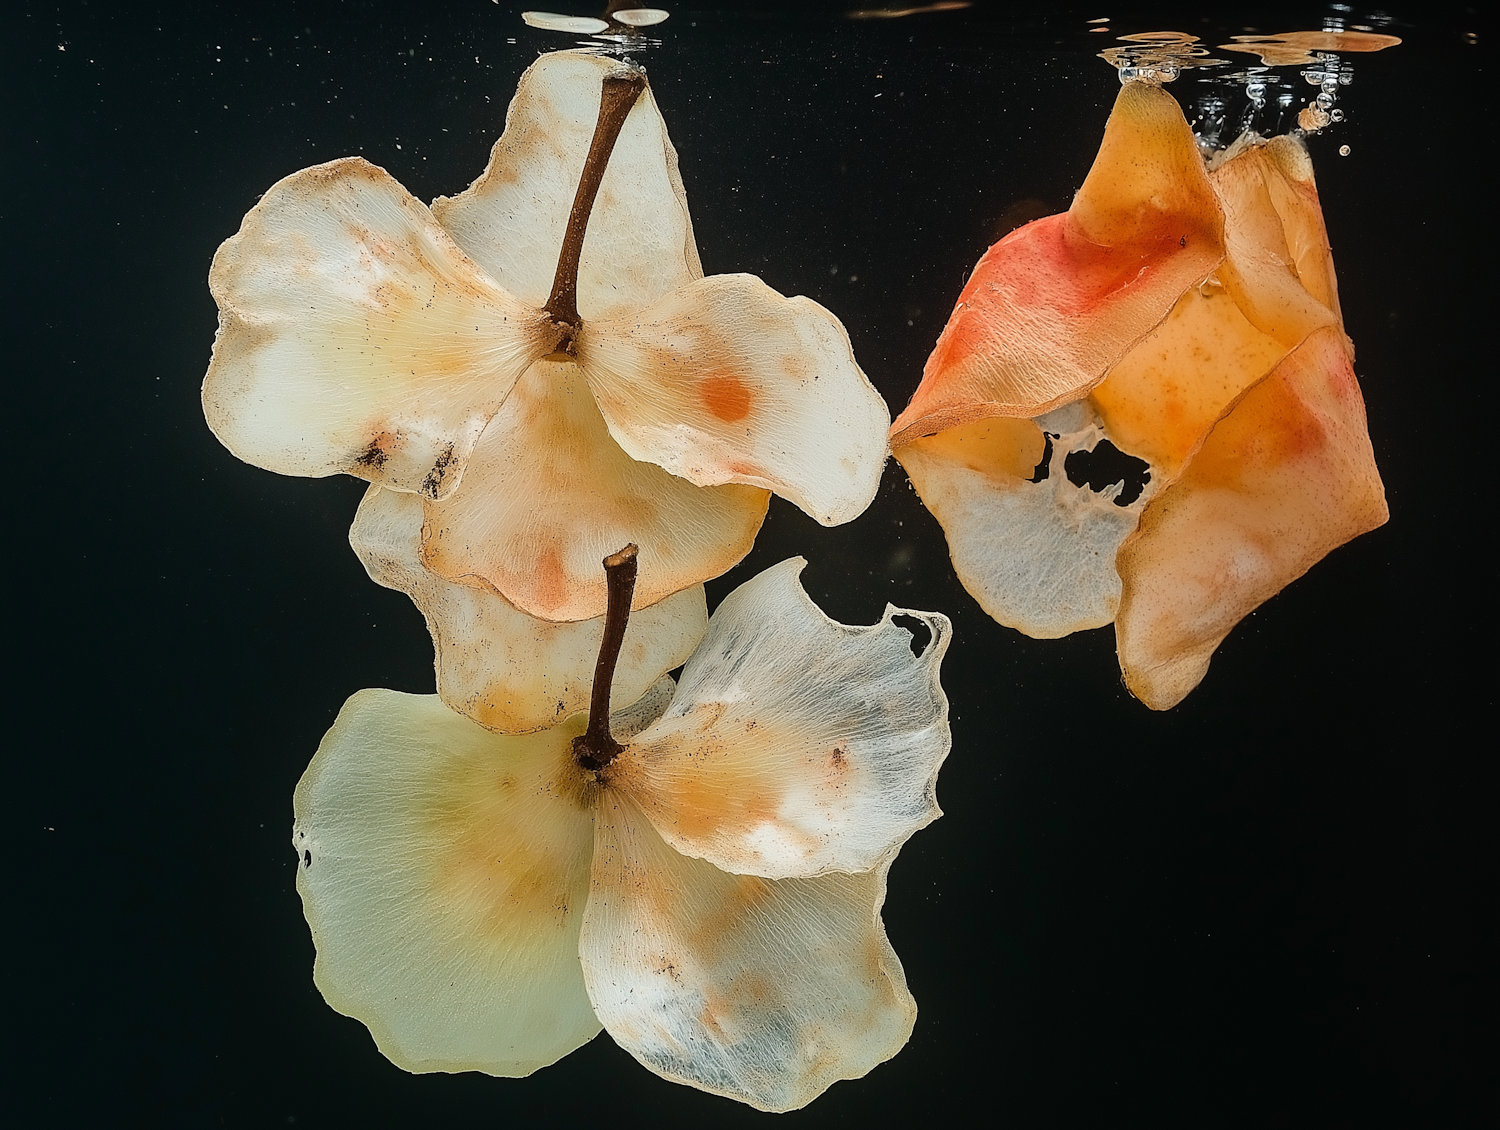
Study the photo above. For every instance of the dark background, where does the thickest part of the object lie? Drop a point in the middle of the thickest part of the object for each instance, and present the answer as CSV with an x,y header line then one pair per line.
x,y
1262,908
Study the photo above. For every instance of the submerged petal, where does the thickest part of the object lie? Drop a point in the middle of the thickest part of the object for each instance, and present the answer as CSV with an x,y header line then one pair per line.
x,y
444,872
550,494
1037,556
794,745
355,336
726,381
639,244
1052,306
767,992
506,670
1283,478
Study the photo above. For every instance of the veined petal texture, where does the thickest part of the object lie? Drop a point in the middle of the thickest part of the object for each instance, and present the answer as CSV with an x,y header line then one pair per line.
x,y
767,992
444,870
794,745
355,336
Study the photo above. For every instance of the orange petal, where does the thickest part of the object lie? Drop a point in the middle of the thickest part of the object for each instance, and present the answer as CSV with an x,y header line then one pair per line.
x,y
794,745
764,991
726,381
1038,557
508,671
355,336
639,244
1283,478
549,494
1054,304
1290,182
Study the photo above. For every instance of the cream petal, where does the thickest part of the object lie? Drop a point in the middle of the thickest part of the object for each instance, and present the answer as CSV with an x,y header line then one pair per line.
x,y
794,745
1038,557
444,872
550,494
508,671
726,381
639,244
1286,476
763,991
1052,306
355,336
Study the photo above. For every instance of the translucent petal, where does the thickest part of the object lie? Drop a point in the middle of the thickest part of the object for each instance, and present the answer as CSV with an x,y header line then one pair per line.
x,y
794,745
552,21
1294,194
444,871
1038,557
1052,306
355,336
1286,476
767,992
508,671
639,244
640,17
550,494
726,381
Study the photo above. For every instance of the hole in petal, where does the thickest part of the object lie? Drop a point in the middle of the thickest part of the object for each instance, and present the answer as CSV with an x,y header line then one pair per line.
x,y
307,858
1105,466
921,634
1043,468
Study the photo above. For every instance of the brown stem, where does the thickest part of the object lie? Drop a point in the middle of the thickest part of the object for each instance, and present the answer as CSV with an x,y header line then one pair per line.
x,y
615,100
596,747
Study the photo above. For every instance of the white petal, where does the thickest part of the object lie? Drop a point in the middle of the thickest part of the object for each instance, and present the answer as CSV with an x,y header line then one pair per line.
x,y
726,381
444,871
641,17
1038,557
766,992
508,671
794,745
639,244
355,336
551,21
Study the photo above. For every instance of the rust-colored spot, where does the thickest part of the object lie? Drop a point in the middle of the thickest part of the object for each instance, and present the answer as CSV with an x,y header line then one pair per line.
x,y
838,758
726,396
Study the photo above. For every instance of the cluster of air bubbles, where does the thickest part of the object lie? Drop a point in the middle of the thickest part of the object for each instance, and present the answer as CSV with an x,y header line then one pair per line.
x,y
1327,73
1157,56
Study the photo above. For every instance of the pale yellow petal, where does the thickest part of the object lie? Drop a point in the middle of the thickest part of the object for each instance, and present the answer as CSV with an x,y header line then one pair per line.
x,y
726,381
508,671
764,991
1038,557
444,871
639,244
355,336
794,745
1286,476
550,495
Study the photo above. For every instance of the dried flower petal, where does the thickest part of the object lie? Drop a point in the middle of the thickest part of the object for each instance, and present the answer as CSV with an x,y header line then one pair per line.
x,y
511,220
1052,306
355,336
550,494
1284,477
444,871
767,992
794,745
508,671
726,381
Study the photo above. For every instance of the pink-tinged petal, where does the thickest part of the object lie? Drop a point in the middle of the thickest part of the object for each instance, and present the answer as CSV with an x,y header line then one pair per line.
x,y
794,745
508,671
549,495
444,871
639,244
355,336
763,991
726,381
1284,477
1037,556
1052,306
